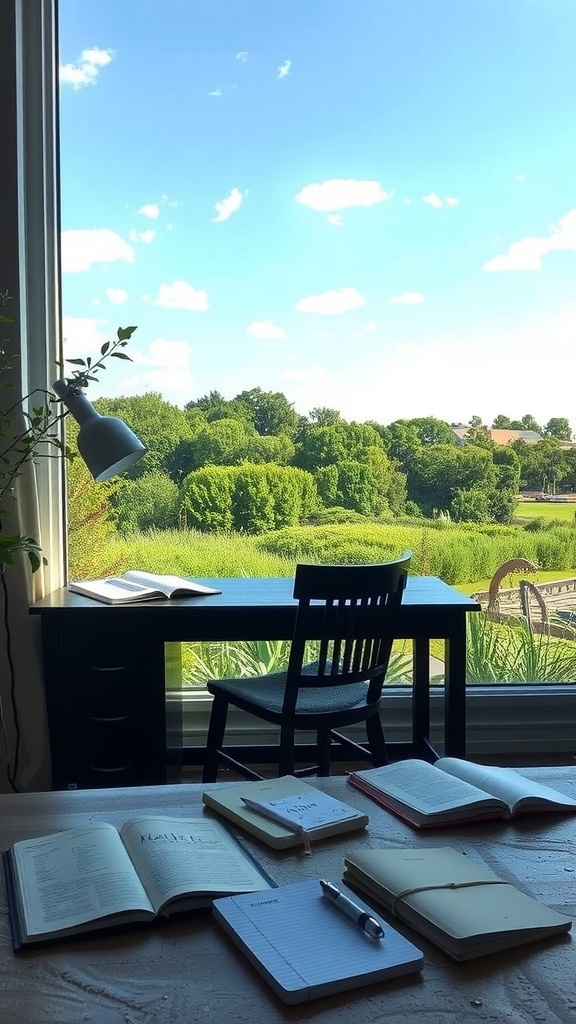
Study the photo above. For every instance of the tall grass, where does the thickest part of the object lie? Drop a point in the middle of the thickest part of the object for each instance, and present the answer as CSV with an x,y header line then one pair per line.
x,y
457,553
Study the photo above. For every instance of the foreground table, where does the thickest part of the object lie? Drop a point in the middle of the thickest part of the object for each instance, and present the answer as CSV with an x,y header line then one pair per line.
x,y
113,718
188,971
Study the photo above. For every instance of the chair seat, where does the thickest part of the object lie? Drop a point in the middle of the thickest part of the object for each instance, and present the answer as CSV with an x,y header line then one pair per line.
x,y
345,615
267,692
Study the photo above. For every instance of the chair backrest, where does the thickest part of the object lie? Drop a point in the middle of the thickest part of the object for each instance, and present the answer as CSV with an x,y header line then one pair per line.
x,y
347,609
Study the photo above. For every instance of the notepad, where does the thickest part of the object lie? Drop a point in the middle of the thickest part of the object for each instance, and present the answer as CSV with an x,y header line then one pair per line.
x,y
320,814
305,948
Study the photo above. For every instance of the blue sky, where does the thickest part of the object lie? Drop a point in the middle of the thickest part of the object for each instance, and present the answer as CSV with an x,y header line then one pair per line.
x,y
365,204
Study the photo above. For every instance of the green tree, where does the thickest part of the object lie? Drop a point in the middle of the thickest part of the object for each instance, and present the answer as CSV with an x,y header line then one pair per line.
x,y
160,425
433,431
151,502
529,423
559,428
324,446
214,406
222,442
321,416
270,411
470,506
277,448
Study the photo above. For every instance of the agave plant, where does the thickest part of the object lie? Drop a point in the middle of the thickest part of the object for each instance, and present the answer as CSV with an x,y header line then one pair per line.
x,y
243,659
513,653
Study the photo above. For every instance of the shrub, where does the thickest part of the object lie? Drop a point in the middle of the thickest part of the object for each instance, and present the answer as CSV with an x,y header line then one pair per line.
x,y
151,502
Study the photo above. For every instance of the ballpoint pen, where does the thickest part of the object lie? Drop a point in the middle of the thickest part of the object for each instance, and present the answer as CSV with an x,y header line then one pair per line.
x,y
281,819
352,910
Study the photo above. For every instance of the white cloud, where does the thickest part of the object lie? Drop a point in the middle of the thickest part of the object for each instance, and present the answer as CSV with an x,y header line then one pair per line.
x,y
371,326
284,69
226,207
216,92
83,336
529,252
336,219
116,295
356,388
151,210
408,202
407,299
82,248
451,201
338,193
86,71
164,367
181,295
242,56
432,199
332,302
520,177
265,330
146,237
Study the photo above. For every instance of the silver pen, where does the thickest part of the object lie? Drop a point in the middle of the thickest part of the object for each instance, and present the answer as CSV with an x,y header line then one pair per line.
x,y
356,913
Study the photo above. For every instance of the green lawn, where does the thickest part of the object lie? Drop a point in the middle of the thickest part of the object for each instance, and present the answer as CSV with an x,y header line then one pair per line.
x,y
564,512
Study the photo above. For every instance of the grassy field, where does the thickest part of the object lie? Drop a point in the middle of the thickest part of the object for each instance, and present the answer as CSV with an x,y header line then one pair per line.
x,y
463,555
562,512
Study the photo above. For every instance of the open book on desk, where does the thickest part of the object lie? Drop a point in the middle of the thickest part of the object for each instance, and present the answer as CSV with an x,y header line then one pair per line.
x,y
139,586
97,876
453,791
457,903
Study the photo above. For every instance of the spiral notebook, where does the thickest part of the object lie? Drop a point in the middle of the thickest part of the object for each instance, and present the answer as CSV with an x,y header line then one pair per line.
x,y
304,947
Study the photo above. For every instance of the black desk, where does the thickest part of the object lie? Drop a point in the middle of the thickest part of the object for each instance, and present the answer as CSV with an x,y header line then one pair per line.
x,y
113,717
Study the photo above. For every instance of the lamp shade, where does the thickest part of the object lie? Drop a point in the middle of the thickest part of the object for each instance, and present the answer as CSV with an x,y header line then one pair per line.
x,y
105,443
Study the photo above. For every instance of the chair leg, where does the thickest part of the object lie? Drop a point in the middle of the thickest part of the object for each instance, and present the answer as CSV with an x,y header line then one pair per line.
x,y
286,751
376,741
323,747
215,738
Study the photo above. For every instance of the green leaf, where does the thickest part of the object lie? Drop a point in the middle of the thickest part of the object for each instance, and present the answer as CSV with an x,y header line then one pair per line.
x,y
124,333
121,355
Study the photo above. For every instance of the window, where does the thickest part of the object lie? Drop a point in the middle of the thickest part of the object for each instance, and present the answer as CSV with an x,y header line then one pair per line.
x,y
370,215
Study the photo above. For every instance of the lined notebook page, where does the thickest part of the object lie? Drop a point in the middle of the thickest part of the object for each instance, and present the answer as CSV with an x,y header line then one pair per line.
x,y
305,947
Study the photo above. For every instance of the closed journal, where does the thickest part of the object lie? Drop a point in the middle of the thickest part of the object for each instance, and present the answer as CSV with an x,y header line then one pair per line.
x,y
459,904
299,806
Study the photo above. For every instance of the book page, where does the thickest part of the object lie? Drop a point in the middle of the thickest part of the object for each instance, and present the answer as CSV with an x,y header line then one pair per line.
x,y
73,877
505,783
423,786
114,590
167,584
177,857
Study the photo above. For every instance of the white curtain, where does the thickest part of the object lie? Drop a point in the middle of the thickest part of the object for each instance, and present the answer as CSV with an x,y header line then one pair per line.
x,y
29,272
25,752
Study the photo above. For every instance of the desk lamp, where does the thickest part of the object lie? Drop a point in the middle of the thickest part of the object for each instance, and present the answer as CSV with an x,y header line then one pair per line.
x,y
105,443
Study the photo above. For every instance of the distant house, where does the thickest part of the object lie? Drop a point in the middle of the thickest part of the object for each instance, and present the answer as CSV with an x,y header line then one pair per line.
x,y
502,437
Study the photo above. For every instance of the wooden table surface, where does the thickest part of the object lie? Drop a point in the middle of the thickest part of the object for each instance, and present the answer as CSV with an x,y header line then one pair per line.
x,y
188,971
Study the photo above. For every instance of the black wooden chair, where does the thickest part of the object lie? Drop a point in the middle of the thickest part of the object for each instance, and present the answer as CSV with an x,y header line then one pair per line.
x,y
344,611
